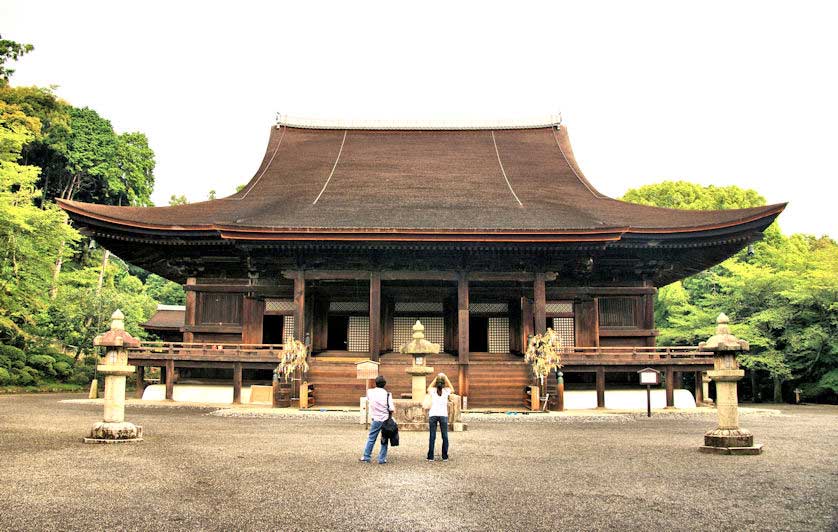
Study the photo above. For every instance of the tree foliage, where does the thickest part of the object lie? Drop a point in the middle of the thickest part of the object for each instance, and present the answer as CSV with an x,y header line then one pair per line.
x,y
783,298
10,51
49,149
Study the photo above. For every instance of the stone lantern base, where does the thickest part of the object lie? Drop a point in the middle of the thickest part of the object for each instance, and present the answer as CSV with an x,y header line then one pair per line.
x,y
122,432
730,441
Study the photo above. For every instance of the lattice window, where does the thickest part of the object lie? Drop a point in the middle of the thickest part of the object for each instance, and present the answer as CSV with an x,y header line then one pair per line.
x,y
403,329
560,307
348,306
566,331
488,308
617,312
359,334
287,328
419,306
498,335
279,305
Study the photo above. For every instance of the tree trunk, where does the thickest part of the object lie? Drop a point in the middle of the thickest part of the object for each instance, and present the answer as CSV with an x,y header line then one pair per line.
x,y
68,194
755,395
778,390
53,291
105,256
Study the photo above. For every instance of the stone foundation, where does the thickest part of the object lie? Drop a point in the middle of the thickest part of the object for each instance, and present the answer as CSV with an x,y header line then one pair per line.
x,y
122,432
730,441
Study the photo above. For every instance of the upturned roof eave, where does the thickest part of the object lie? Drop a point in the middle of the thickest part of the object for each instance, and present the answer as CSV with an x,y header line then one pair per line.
x,y
79,213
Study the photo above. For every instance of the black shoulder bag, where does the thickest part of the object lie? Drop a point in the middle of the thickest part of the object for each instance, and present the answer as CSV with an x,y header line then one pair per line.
x,y
390,429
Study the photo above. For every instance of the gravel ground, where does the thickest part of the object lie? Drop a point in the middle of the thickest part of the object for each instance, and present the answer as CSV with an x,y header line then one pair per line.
x,y
200,471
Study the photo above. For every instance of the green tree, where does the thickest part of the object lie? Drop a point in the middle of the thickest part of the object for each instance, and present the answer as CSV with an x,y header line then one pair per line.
x,y
782,298
27,233
10,51
178,200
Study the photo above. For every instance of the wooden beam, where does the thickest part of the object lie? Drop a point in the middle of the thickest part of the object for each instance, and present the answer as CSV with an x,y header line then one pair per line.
x,y
540,303
189,318
670,387
299,306
462,319
600,387
581,291
628,332
170,379
216,329
375,315
412,275
237,383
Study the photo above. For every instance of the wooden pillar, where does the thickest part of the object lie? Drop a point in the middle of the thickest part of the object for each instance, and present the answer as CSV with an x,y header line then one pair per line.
x,y
670,387
141,381
189,317
388,308
699,389
237,383
649,321
299,306
600,387
462,382
462,334
462,318
449,317
170,379
540,302
375,315
526,323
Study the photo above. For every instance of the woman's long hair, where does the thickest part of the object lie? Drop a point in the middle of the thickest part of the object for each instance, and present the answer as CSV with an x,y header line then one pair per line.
x,y
440,384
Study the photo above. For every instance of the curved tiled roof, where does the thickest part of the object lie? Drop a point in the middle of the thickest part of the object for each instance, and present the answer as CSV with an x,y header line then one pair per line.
x,y
374,181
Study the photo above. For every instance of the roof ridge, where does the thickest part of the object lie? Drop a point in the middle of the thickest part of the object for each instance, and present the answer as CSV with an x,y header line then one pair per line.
x,y
415,125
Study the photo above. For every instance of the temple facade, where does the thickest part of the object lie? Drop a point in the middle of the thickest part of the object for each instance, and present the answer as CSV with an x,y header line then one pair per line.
x,y
345,236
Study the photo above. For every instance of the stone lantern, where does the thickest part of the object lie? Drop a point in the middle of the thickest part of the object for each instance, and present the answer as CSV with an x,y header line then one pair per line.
x,y
728,437
420,349
114,365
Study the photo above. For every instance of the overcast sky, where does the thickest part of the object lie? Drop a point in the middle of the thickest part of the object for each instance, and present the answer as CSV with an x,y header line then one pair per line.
x,y
728,93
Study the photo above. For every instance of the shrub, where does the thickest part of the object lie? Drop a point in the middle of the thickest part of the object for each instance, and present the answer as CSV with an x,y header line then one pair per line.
x,y
12,353
21,377
43,363
63,369
82,375
5,362
5,377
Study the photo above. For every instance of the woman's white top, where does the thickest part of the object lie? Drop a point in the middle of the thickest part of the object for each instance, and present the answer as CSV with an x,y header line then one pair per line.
x,y
439,404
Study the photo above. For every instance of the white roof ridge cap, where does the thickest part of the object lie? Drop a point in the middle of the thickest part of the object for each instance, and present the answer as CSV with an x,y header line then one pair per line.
x,y
426,125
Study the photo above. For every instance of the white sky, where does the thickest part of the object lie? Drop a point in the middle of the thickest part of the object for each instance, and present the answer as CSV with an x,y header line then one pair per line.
x,y
715,93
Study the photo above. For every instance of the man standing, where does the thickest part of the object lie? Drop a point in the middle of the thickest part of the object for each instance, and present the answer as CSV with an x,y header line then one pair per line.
x,y
380,405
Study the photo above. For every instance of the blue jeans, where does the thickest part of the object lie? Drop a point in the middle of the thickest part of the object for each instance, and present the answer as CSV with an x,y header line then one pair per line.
x,y
442,421
375,428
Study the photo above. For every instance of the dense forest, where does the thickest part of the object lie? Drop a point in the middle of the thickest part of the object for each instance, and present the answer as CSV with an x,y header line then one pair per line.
x,y
58,287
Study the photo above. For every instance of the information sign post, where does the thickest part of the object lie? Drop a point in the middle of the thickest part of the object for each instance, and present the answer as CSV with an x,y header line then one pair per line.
x,y
649,377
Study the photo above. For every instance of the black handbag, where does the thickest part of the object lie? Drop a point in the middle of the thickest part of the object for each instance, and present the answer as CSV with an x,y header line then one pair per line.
x,y
390,429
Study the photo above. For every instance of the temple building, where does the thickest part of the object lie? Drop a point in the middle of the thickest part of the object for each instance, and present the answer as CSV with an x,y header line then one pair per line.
x,y
345,236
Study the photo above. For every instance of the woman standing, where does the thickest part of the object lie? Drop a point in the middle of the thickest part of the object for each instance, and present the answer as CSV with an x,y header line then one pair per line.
x,y
439,390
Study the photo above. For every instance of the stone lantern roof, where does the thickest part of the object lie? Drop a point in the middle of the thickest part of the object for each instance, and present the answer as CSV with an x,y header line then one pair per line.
x,y
117,336
723,340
